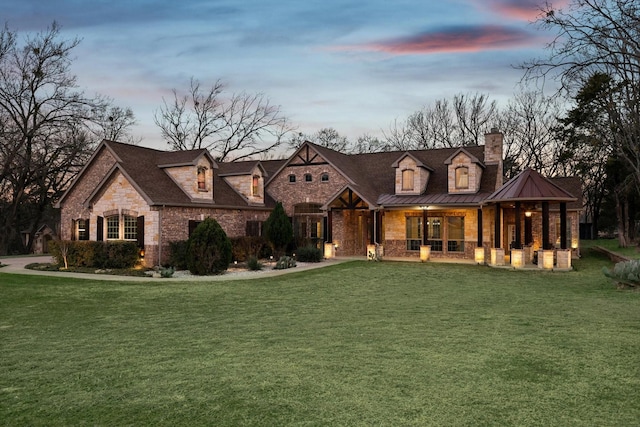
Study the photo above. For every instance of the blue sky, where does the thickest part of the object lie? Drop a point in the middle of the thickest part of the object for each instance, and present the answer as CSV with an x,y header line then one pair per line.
x,y
351,65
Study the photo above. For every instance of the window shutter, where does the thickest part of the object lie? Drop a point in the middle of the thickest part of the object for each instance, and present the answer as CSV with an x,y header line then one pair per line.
x,y
73,229
86,236
192,226
100,229
140,232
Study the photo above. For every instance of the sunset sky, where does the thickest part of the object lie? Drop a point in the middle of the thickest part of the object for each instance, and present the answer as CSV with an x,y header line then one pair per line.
x,y
353,66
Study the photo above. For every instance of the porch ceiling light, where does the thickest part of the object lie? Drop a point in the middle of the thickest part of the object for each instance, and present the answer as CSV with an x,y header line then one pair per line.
x,y
528,214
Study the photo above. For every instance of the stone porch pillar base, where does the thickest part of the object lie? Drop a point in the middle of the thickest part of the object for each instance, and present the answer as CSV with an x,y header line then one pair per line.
x,y
564,258
545,259
425,252
479,255
329,251
517,258
497,256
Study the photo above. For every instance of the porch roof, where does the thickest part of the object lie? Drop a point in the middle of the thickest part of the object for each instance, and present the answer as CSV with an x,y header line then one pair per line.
x,y
530,186
390,200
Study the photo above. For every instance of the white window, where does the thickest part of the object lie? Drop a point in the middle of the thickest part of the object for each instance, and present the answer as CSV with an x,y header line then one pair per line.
x,y
462,177
202,178
113,227
414,233
255,185
123,227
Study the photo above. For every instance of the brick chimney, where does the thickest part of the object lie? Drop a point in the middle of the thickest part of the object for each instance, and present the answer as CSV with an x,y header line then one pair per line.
x,y
493,152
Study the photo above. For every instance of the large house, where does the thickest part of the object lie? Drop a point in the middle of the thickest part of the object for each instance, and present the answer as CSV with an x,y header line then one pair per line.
x,y
441,203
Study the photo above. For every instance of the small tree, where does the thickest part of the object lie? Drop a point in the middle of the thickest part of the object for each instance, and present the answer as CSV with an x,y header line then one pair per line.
x,y
277,229
209,249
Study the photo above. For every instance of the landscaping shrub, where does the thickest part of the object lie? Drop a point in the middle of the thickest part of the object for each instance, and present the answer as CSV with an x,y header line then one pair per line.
x,y
309,253
209,250
625,273
247,246
277,229
285,262
178,254
119,254
254,264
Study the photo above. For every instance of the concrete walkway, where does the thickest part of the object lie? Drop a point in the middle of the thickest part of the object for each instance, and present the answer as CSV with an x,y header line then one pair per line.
x,y
16,265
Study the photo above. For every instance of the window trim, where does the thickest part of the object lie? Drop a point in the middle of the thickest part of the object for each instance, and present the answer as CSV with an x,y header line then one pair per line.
x,y
201,178
255,185
408,179
458,176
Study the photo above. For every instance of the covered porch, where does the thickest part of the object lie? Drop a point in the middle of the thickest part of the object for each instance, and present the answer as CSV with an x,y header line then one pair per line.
x,y
526,211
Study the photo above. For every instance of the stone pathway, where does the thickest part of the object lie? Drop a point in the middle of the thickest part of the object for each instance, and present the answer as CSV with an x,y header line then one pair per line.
x,y
16,265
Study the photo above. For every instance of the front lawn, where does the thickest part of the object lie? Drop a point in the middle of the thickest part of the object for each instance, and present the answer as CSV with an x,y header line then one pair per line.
x,y
359,343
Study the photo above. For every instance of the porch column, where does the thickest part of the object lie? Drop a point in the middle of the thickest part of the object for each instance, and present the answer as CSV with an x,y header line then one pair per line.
x,y
329,226
379,227
425,220
545,226
498,241
518,242
479,227
563,225
478,255
372,227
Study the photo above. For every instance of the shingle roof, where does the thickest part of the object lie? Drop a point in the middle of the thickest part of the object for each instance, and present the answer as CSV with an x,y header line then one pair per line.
x,y
145,168
373,175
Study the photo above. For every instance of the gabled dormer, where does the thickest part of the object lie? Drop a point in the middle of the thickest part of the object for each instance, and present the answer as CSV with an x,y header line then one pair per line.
x,y
247,179
194,175
464,172
412,176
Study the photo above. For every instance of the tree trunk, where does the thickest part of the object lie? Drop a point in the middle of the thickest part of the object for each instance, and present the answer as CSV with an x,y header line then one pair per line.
x,y
621,219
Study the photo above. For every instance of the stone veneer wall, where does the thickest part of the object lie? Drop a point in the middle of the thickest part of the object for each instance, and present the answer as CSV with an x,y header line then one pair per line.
x,y
72,205
291,194
187,178
395,243
475,174
174,222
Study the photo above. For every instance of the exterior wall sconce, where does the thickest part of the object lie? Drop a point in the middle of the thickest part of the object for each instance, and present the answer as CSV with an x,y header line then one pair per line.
x,y
528,214
141,253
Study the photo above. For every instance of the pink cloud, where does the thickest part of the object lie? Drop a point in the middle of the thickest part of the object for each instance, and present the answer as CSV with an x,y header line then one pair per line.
x,y
524,10
456,39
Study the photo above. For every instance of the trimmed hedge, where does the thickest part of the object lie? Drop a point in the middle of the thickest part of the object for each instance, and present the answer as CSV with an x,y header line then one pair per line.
x,y
309,253
116,254
245,247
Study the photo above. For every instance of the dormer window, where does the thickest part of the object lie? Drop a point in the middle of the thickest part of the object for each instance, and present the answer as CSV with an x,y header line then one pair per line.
x,y
407,180
462,178
255,185
202,178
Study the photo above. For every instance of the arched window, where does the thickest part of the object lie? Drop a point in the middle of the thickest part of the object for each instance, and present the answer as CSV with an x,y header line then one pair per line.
x,y
308,177
292,178
255,185
324,177
462,177
407,180
202,178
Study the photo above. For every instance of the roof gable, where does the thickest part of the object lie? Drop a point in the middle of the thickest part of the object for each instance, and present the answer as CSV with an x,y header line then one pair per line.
x,y
529,185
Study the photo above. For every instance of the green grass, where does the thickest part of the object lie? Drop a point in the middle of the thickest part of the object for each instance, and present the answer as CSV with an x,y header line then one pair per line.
x,y
613,245
353,344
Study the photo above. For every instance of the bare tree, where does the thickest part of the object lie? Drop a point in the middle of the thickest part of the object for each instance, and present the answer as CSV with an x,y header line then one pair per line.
x,y
598,36
528,122
444,124
242,126
43,128
325,137
114,123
